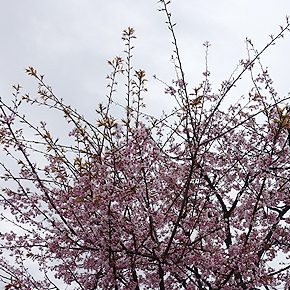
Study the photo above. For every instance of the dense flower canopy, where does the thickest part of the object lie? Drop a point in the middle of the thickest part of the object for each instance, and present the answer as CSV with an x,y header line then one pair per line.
x,y
196,199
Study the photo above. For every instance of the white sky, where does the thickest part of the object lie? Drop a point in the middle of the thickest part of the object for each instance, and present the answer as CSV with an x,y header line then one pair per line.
x,y
70,40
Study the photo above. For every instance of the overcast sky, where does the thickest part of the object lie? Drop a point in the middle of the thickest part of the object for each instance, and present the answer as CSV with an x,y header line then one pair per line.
x,y
70,40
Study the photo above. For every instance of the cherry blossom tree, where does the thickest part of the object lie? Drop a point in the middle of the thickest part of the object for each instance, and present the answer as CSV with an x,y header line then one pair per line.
x,y
196,199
